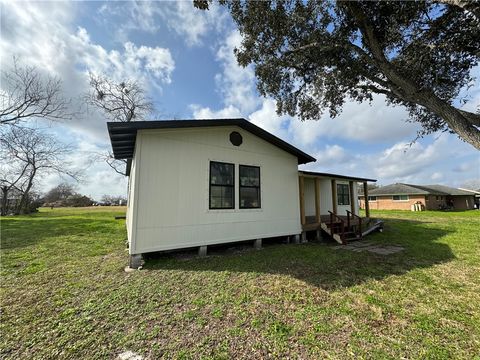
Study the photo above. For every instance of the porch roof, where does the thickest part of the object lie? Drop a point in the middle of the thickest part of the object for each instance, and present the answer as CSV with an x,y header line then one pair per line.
x,y
336,176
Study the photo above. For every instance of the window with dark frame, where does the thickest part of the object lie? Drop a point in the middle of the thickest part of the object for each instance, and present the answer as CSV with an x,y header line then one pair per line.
x,y
249,190
343,194
400,197
222,185
372,198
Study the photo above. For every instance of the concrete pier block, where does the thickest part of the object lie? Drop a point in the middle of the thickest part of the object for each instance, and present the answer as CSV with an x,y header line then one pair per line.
x,y
202,251
257,244
318,235
296,239
135,261
304,237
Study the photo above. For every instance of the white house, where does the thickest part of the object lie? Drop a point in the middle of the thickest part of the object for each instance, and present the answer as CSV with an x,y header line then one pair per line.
x,y
194,183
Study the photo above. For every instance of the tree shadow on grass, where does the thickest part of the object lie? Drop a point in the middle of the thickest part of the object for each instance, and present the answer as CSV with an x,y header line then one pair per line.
x,y
322,264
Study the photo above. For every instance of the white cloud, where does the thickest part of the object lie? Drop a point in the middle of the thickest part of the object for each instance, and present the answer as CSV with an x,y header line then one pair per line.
x,y
236,84
421,163
207,113
97,177
41,34
191,23
463,167
367,123
436,176
402,162
267,118
144,63
188,22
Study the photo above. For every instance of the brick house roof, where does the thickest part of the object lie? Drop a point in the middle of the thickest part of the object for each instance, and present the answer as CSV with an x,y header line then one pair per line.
x,y
409,189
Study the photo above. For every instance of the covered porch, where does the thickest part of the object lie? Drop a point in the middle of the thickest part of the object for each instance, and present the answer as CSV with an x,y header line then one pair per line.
x,y
329,202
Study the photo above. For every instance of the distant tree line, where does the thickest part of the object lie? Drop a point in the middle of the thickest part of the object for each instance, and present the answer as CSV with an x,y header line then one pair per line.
x,y
62,195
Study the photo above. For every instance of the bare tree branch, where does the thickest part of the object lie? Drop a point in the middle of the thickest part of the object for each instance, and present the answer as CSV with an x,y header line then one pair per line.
x,y
28,154
25,94
124,101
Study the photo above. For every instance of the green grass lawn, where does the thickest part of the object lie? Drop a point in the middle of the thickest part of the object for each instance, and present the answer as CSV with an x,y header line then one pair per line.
x,y
64,294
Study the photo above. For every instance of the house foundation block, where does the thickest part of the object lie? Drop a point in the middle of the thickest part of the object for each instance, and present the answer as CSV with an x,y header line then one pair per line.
x,y
296,239
135,261
202,251
257,244
304,237
318,235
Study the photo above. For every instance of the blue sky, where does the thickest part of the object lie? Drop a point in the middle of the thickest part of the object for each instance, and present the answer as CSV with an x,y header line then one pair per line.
x,y
184,57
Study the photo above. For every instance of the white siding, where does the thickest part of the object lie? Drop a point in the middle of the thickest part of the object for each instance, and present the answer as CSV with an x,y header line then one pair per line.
x,y
131,204
326,204
172,190
325,196
309,195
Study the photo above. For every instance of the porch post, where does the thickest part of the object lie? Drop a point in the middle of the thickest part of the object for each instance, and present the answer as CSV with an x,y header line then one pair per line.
x,y
334,196
352,198
302,200
317,200
365,196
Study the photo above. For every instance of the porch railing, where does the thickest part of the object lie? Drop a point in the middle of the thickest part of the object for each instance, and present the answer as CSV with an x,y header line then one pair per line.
x,y
352,216
334,217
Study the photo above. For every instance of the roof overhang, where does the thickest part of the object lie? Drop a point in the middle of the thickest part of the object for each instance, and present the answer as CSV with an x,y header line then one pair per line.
x,y
335,176
124,134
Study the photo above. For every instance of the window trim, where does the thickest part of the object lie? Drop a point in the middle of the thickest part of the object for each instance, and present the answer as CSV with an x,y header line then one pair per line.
x,y
399,199
343,194
259,187
226,185
372,196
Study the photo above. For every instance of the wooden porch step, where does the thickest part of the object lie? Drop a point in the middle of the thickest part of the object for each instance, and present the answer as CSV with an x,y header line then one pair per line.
x,y
353,238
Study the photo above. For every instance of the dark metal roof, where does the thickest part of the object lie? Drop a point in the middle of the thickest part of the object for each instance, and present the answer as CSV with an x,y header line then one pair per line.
x,y
409,189
336,176
123,134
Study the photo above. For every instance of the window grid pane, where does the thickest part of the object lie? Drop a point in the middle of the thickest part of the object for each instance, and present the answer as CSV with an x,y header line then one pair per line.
x,y
343,194
249,192
222,180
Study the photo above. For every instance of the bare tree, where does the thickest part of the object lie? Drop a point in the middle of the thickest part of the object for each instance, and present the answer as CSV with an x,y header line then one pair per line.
x,y
124,101
119,101
26,94
27,154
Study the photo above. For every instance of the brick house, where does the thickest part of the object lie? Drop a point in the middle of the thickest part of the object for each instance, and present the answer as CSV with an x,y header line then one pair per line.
x,y
433,197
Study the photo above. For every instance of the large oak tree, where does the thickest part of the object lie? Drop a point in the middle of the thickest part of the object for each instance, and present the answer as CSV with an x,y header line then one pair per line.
x,y
313,55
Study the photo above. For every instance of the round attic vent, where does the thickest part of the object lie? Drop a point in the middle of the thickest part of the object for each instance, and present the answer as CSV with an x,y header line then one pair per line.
x,y
235,138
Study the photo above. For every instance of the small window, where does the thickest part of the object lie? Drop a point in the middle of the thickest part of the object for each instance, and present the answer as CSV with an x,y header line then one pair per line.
x,y
249,187
222,183
400,197
372,198
343,194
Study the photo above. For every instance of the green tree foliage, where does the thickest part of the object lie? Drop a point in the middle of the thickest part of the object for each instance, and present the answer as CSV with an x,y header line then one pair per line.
x,y
65,194
310,56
